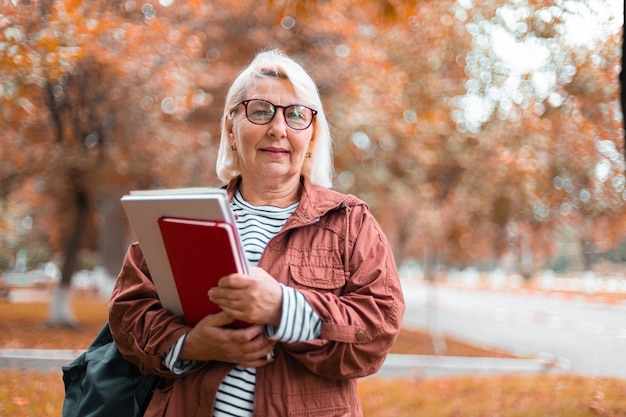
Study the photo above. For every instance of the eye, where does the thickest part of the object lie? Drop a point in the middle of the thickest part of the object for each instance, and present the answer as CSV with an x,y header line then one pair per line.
x,y
297,113
260,112
260,109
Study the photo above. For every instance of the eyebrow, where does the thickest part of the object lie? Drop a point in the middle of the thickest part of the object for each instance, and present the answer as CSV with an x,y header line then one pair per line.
x,y
274,73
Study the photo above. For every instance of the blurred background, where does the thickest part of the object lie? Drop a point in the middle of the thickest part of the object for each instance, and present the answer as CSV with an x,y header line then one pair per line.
x,y
486,135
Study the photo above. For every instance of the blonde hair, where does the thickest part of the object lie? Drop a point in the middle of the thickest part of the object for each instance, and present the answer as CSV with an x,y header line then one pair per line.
x,y
276,64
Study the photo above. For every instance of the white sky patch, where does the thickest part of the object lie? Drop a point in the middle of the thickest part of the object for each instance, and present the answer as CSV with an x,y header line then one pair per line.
x,y
520,57
510,65
603,170
592,21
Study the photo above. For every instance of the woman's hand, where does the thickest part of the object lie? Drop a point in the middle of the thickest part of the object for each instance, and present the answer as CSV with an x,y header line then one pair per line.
x,y
255,298
210,340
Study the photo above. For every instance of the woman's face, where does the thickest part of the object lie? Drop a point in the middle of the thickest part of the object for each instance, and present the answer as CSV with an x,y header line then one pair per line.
x,y
273,152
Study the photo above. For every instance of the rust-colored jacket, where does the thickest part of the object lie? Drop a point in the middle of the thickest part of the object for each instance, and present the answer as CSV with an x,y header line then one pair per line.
x,y
358,298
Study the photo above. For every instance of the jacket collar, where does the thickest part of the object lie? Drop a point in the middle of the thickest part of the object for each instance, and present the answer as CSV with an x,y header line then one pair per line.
x,y
315,200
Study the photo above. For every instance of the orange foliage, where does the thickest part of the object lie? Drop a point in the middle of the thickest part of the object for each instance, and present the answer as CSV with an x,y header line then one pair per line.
x,y
149,83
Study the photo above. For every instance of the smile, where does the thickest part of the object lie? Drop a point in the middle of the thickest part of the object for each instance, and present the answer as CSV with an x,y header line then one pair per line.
x,y
275,151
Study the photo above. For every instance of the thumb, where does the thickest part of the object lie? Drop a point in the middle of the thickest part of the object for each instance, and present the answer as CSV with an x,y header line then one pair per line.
x,y
218,320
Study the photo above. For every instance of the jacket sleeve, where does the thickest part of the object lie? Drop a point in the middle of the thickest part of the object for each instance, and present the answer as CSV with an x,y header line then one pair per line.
x,y
360,325
142,328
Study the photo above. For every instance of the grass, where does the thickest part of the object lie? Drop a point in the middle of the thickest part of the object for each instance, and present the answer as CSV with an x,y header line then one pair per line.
x,y
36,394
30,393
40,394
502,396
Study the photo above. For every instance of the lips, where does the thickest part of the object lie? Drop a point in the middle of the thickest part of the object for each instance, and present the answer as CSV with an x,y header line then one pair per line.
x,y
275,150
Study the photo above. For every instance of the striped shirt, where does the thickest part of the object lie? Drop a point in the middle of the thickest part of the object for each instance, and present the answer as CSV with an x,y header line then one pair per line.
x,y
257,225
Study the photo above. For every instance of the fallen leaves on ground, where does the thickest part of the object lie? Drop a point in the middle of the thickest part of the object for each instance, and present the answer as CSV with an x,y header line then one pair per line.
x,y
502,396
31,394
37,394
40,394
23,325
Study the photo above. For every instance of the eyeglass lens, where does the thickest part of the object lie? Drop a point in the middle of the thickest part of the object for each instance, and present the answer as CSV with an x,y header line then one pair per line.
x,y
262,112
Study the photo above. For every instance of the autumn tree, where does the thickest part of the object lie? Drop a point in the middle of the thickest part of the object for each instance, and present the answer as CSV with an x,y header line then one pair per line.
x,y
92,128
131,97
465,154
471,133
551,112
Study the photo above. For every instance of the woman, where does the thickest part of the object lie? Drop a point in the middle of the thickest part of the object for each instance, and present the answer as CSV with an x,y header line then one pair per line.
x,y
323,297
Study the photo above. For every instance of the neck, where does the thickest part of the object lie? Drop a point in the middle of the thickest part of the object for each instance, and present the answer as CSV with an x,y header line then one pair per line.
x,y
278,195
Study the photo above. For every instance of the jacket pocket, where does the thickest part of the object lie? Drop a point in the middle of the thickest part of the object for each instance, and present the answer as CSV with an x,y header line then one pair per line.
x,y
321,402
322,412
317,277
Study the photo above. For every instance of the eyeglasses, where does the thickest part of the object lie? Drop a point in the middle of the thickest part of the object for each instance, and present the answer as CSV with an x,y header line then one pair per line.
x,y
261,112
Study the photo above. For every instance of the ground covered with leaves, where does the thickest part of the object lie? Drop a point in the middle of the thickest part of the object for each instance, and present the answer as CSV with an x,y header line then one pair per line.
x,y
40,394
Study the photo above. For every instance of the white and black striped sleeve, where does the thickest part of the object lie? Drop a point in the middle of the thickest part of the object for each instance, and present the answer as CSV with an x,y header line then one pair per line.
x,y
299,322
172,361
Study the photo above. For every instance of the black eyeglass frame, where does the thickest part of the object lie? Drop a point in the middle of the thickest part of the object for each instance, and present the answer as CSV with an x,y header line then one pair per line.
x,y
276,106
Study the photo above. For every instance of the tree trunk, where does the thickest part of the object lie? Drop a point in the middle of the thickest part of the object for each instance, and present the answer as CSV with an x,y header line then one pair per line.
x,y
588,253
112,245
432,317
61,313
622,79
60,307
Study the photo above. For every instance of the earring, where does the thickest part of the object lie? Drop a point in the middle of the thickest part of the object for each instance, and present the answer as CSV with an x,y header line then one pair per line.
x,y
308,154
232,148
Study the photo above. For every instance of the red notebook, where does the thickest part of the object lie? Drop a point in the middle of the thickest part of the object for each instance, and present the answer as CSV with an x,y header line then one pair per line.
x,y
200,253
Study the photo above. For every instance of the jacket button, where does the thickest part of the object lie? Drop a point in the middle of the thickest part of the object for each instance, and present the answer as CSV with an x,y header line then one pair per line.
x,y
360,336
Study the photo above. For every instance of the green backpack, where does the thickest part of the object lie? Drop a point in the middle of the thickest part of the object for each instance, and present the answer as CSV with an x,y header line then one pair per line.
x,y
101,383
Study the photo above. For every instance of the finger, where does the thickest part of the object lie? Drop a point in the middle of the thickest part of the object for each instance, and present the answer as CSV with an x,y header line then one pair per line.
x,y
230,302
233,281
221,293
221,319
217,320
234,314
220,296
258,358
252,335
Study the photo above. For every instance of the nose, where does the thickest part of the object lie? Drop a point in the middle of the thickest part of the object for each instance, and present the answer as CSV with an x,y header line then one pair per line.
x,y
278,125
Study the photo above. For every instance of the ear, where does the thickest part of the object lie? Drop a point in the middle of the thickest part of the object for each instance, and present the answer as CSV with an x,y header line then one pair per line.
x,y
311,146
308,159
228,126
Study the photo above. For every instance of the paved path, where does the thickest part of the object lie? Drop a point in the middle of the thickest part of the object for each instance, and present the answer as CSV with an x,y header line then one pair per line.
x,y
37,359
422,366
586,337
395,366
